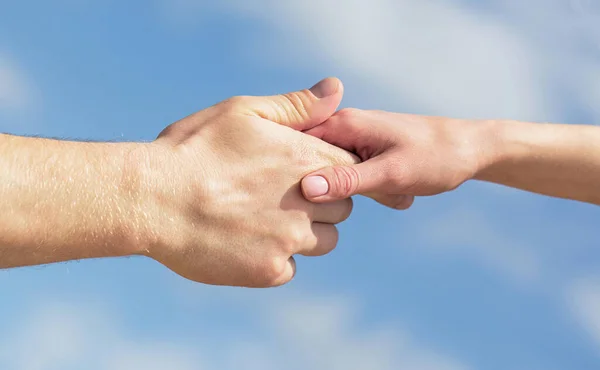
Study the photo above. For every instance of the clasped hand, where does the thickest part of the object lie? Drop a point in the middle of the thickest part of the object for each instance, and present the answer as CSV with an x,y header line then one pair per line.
x,y
221,192
223,185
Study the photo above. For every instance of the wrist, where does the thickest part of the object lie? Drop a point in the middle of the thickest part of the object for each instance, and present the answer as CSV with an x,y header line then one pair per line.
x,y
501,142
107,194
161,190
107,198
490,141
473,143
132,188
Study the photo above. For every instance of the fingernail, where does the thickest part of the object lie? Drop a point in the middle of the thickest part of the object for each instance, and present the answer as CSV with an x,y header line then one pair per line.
x,y
325,88
315,186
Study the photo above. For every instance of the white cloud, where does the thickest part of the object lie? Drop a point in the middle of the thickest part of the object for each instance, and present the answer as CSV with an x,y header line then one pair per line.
x,y
499,58
59,336
469,233
324,336
153,356
589,92
15,90
317,333
588,17
440,56
566,37
583,298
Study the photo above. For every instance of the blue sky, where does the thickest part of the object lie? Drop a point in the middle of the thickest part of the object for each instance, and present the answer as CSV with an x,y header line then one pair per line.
x,y
482,278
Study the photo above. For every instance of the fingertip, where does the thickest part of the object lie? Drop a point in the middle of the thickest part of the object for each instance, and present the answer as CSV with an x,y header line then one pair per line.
x,y
314,186
394,201
327,87
404,202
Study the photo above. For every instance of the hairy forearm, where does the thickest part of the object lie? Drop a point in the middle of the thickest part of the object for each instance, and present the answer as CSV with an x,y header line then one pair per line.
x,y
552,159
62,200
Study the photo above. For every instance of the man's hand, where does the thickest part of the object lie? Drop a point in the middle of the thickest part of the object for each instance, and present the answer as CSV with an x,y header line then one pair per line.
x,y
223,201
215,198
403,156
407,155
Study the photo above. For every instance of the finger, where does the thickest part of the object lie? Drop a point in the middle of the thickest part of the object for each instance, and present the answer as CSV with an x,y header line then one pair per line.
x,y
399,202
324,240
330,154
333,212
300,110
288,273
340,182
351,129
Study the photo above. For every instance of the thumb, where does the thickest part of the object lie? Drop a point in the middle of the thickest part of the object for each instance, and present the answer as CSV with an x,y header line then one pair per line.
x,y
340,182
301,110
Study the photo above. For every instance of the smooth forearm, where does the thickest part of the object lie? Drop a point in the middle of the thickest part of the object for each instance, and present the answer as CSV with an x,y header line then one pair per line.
x,y
552,159
63,200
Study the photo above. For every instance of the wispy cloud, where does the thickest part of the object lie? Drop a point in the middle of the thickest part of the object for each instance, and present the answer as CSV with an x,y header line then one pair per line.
x,y
565,35
15,88
439,56
70,337
500,59
583,298
467,232
323,332
317,333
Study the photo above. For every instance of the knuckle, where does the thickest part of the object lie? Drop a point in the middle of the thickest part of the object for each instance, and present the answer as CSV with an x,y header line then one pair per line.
x,y
400,175
298,102
348,113
272,272
235,101
346,181
294,238
298,237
